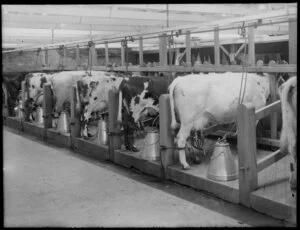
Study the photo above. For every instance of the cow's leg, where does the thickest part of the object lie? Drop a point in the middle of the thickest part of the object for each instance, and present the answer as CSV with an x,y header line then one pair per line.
x,y
128,133
293,151
182,136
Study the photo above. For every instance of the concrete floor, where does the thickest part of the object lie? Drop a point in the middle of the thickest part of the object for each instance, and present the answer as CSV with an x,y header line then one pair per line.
x,y
49,186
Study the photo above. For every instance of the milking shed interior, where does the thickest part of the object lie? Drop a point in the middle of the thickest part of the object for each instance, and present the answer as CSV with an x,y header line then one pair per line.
x,y
162,39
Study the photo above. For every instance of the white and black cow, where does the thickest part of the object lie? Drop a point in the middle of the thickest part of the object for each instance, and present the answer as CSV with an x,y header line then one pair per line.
x,y
139,97
202,99
93,94
288,139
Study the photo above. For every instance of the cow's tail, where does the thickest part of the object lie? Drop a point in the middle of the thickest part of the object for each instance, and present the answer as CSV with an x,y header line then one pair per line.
x,y
120,107
288,111
174,124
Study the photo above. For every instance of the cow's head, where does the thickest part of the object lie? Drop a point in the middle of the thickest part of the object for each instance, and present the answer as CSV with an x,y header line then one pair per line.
x,y
143,104
35,85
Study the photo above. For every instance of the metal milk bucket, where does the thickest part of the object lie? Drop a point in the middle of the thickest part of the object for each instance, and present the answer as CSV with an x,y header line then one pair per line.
x,y
39,116
102,136
63,123
222,166
151,149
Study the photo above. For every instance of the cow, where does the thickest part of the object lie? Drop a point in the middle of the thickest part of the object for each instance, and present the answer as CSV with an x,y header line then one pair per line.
x,y
139,97
288,143
93,94
11,86
200,100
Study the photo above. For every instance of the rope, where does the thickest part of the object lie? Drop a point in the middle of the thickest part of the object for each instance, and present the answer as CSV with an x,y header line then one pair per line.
x,y
241,99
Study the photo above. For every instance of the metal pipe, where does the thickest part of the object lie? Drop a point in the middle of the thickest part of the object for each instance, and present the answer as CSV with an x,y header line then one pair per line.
x,y
119,38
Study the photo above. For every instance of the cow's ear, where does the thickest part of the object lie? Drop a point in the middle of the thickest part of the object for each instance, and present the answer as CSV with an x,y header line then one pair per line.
x,y
43,81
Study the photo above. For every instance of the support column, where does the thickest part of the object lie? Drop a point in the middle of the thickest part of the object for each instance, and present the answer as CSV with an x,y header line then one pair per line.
x,y
217,46
251,49
106,54
141,58
293,42
122,55
188,48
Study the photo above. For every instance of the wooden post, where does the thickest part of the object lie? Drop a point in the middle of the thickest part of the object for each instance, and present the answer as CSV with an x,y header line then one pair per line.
x,y
168,156
163,58
47,108
23,111
114,140
122,55
141,58
246,152
93,56
188,49
251,49
46,57
75,119
293,42
5,109
64,60
217,46
273,97
77,56
106,54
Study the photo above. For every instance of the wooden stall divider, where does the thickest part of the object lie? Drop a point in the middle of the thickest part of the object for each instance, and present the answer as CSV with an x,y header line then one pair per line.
x,y
75,127
293,42
273,98
141,57
106,54
47,108
217,46
251,47
167,153
122,55
247,152
188,49
114,137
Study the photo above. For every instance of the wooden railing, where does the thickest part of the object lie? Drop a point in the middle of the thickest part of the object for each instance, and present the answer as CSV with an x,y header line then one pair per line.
x,y
247,150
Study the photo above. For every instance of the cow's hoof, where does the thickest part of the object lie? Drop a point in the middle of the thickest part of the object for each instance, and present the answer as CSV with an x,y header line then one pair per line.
x,y
186,167
132,148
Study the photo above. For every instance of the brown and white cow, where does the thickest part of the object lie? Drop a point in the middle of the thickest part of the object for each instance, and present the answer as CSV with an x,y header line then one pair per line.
x,y
288,139
202,99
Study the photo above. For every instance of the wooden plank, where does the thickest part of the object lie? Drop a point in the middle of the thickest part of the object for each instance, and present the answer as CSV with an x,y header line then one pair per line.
x,y
163,58
46,57
168,156
273,97
224,50
106,54
293,42
47,108
91,149
217,46
123,56
141,56
267,110
246,152
251,47
57,138
93,55
268,141
114,141
269,160
75,119
204,68
240,49
188,48
77,55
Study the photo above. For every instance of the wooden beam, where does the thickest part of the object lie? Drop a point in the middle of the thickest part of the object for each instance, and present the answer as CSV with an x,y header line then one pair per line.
x,y
240,49
267,110
293,42
106,54
141,56
251,47
225,51
273,98
247,152
122,56
163,58
188,49
77,55
93,55
270,159
217,46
